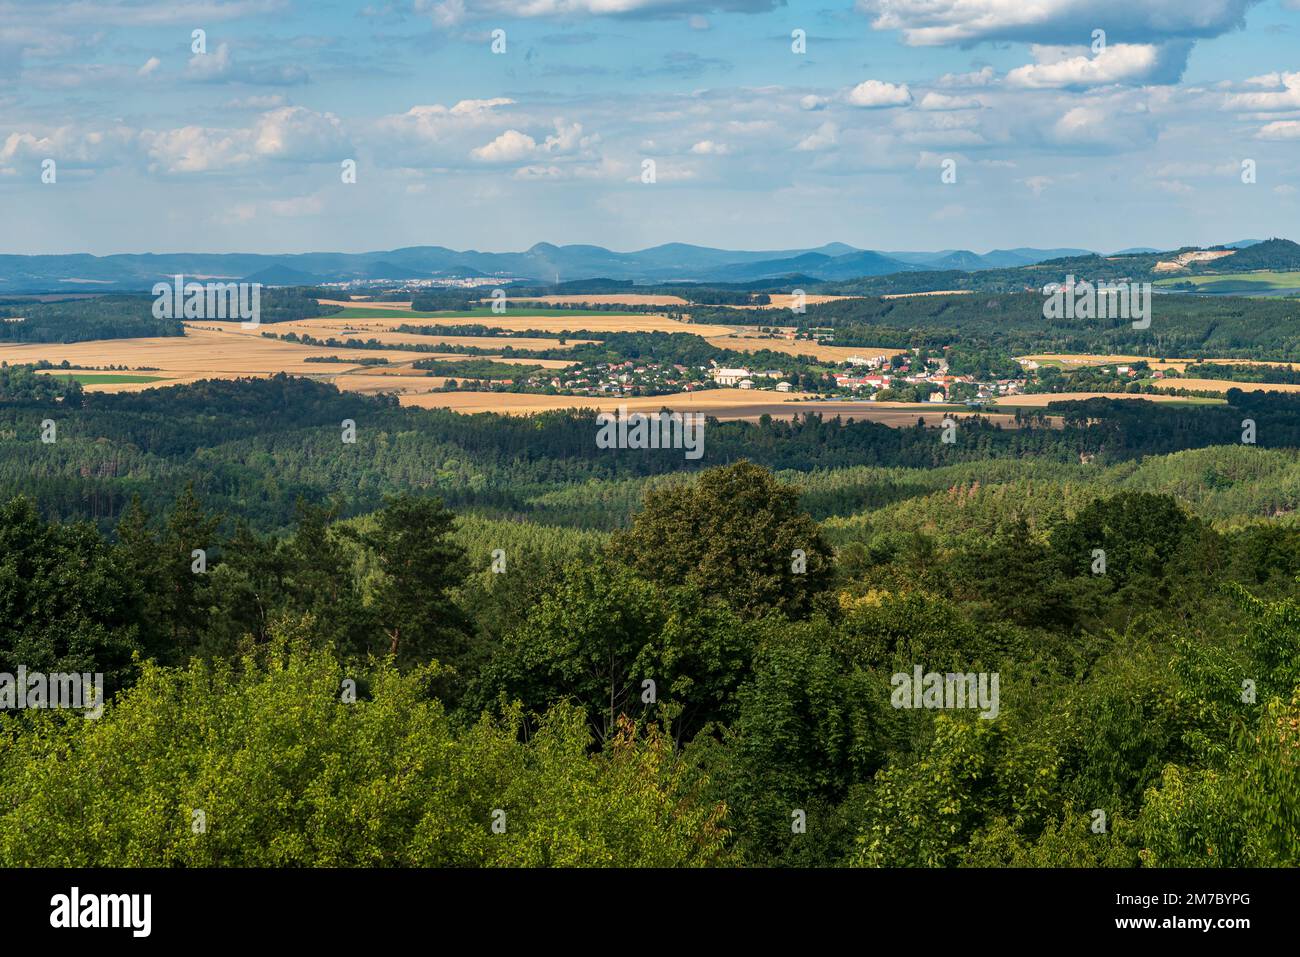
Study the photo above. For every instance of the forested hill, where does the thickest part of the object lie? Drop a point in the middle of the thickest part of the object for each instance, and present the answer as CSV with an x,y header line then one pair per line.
x,y
1273,254
1181,326
84,319
253,447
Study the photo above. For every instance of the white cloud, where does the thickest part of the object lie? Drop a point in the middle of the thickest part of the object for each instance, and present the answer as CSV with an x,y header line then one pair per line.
x,y
710,148
510,147
982,77
1280,130
812,102
150,65
219,66
450,13
823,138
210,67
874,94
513,146
1285,96
291,133
194,149
942,102
943,22
297,133
1072,67
69,147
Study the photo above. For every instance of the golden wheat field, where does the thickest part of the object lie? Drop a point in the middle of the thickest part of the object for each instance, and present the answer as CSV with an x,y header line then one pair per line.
x,y
786,300
725,404
1161,365
1043,398
1223,385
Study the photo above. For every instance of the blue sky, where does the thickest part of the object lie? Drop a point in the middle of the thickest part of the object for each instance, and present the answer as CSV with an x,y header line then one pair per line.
x,y
1055,139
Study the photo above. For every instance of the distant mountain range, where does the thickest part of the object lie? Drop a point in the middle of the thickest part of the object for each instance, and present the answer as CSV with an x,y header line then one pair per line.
x,y
544,263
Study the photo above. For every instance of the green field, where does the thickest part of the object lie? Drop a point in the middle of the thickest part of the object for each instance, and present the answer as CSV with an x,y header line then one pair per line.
x,y
1248,283
98,378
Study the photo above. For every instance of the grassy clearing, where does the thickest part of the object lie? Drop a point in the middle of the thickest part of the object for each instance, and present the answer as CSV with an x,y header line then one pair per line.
x,y
1261,281
106,378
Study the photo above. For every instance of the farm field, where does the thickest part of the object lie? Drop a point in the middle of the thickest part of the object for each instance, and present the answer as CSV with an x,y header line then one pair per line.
x,y
486,312
1067,361
519,319
1223,385
937,292
206,353
786,300
1246,283
1038,400
102,378
724,404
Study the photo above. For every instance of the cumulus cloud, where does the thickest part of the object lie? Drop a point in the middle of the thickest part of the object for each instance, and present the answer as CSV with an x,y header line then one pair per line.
x,y
93,149
291,133
514,146
195,149
874,94
510,147
945,22
710,148
1284,96
1073,68
297,133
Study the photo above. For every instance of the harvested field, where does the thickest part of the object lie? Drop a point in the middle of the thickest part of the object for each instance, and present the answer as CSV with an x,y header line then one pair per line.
x,y
1041,399
617,299
721,403
800,347
781,300
936,292
1223,385
1165,365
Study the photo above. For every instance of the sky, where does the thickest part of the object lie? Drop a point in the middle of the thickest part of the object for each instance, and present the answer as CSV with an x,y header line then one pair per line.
x,y
887,124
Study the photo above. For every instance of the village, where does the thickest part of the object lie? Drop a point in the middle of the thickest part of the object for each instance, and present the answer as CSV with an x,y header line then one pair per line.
x,y
902,377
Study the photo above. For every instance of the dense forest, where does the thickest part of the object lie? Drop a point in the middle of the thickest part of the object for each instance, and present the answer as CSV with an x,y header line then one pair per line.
x,y
253,447
481,640
385,690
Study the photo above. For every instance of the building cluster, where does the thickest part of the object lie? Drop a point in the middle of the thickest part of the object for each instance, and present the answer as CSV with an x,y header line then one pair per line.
x,y
620,379
870,375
